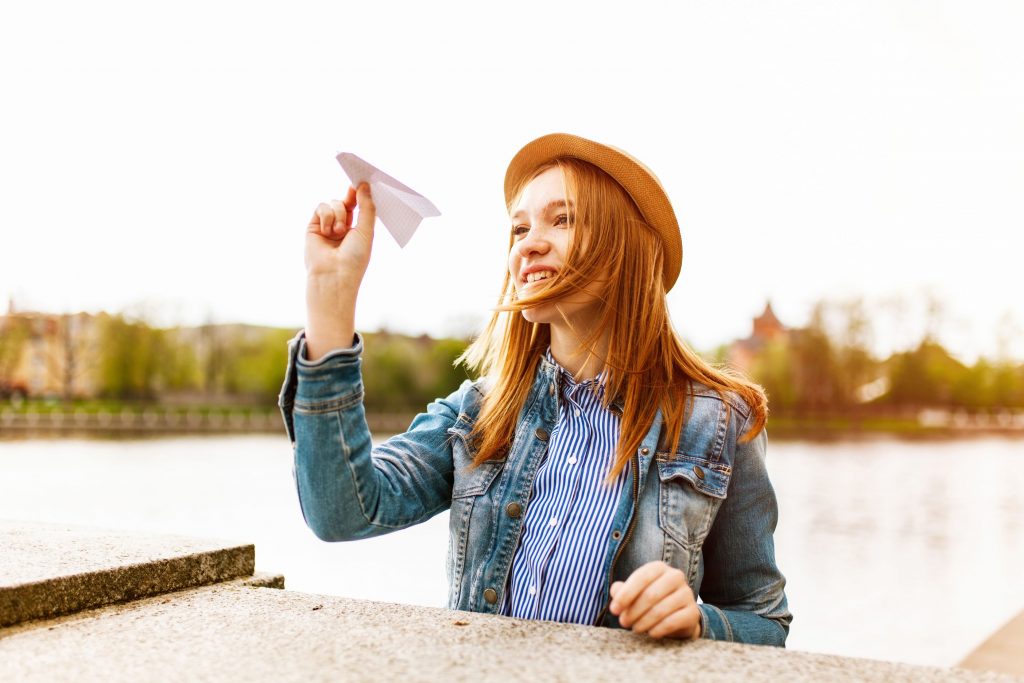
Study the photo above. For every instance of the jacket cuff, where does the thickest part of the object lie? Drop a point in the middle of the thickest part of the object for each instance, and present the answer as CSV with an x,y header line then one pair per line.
x,y
714,624
311,383
352,352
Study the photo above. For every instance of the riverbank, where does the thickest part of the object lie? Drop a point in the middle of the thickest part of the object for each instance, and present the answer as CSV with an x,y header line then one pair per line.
x,y
125,420
925,424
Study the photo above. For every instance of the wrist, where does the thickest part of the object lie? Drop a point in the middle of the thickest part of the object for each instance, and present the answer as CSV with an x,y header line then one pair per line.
x,y
331,285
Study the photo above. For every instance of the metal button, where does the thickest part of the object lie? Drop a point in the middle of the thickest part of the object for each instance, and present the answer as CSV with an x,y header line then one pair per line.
x,y
542,434
645,450
514,509
491,596
616,535
699,472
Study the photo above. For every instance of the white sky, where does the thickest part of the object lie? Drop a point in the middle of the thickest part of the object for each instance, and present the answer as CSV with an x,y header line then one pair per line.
x,y
168,157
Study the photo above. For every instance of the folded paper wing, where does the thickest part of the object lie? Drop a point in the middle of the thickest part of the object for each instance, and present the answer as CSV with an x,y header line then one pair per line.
x,y
400,208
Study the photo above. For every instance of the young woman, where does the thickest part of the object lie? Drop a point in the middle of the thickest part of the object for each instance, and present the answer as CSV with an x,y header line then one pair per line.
x,y
599,471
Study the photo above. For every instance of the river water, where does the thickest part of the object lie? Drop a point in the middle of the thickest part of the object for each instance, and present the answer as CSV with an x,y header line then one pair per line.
x,y
898,550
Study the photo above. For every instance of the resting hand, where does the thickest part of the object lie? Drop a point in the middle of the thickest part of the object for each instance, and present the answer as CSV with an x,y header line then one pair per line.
x,y
656,600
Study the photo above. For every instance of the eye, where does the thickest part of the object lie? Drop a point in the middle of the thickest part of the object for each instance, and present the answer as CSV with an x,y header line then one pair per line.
x,y
562,217
519,230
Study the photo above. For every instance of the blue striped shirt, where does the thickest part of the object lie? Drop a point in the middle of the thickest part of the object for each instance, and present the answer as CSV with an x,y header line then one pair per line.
x,y
557,572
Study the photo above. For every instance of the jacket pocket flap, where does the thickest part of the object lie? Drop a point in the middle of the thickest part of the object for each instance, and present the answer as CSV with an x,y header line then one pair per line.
x,y
472,481
469,480
701,475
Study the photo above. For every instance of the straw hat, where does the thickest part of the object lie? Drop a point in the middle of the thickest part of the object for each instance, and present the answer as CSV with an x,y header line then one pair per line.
x,y
635,178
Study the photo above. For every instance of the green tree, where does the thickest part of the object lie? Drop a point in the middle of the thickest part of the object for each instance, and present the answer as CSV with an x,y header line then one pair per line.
x,y
390,370
256,366
446,376
926,376
814,364
14,332
773,370
131,353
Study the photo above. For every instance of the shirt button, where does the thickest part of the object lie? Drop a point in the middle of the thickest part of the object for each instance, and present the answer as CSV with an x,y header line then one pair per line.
x,y
542,434
514,510
572,459
532,591
576,412
553,522
491,596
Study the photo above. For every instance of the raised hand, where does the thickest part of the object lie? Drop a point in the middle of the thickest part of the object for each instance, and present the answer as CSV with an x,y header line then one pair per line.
x,y
333,246
337,254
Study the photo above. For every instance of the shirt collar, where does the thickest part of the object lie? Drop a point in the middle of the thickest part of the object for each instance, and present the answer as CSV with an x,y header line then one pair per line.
x,y
571,383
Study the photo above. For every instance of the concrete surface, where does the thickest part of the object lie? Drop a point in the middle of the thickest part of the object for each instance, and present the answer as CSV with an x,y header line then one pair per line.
x,y
48,570
232,632
1002,651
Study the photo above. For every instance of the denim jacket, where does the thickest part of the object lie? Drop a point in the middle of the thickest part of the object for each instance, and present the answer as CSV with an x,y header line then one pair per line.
x,y
708,508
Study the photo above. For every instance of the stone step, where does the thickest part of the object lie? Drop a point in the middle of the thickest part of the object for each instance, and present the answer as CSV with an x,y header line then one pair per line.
x,y
48,570
233,632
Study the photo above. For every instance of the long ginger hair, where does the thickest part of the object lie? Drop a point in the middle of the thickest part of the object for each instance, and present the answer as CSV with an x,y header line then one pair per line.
x,y
647,364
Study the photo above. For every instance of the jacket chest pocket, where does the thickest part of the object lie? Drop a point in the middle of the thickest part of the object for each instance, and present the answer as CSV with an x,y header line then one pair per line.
x,y
692,489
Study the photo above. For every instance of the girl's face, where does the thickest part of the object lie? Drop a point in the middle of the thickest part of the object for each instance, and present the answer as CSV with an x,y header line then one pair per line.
x,y
540,245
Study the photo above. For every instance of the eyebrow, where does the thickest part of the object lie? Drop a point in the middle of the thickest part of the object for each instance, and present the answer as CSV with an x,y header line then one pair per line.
x,y
551,205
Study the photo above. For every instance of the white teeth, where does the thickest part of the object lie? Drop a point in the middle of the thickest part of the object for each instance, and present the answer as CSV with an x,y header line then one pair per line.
x,y
540,275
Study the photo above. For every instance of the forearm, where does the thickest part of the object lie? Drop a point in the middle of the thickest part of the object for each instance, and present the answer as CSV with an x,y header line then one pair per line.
x,y
330,314
347,488
742,626
335,477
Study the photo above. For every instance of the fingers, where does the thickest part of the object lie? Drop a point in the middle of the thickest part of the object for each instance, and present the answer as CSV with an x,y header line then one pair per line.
x,y
333,220
662,598
367,210
684,623
627,594
662,590
322,221
656,600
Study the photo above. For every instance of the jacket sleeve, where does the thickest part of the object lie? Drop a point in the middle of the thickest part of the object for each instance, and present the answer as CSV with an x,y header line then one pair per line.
x,y
743,591
347,488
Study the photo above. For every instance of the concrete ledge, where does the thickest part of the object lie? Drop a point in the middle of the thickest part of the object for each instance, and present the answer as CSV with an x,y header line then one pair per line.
x,y
48,570
262,580
231,632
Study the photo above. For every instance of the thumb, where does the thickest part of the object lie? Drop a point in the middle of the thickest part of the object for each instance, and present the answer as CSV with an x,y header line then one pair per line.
x,y
367,211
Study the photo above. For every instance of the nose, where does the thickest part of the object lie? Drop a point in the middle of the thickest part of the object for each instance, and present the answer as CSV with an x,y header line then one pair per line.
x,y
533,243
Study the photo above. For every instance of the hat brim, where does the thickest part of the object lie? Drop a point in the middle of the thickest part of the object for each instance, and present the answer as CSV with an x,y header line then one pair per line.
x,y
635,178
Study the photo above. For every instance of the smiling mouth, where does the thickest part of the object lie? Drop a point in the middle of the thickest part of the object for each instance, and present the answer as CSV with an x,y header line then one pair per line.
x,y
538,276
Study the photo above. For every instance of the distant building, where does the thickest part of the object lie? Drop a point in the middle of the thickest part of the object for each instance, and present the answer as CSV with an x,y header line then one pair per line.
x,y
49,355
766,328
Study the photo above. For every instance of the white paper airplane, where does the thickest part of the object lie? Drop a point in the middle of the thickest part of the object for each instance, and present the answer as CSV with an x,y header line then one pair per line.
x,y
399,208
